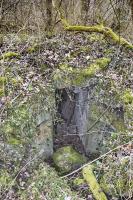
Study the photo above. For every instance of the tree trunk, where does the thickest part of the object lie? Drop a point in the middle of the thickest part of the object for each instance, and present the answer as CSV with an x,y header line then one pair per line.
x,y
84,11
48,15
131,3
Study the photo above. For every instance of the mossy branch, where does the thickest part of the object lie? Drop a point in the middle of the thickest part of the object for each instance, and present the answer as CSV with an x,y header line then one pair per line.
x,y
93,184
106,31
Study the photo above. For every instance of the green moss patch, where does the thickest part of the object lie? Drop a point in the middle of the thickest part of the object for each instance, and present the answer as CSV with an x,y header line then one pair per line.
x,y
14,141
2,84
66,159
33,48
103,62
5,179
98,65
2,80
75,76
78,181
127,96
9,55
2,93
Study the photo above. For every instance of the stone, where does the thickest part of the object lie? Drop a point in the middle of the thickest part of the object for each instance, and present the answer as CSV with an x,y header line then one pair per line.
x,y
101,128
43,140
12,151
67,159
41,146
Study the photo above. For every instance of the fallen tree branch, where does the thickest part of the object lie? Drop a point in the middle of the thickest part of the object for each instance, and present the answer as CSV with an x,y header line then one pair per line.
x,y
106,31
92,183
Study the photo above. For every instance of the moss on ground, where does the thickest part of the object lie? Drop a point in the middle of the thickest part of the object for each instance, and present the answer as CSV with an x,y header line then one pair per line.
x,y
2,93
45,181
2,80
14,141
66,159
34,48
116,179
2,86
42,182
94,37
78,181
67,75
9,55
5,180
127,96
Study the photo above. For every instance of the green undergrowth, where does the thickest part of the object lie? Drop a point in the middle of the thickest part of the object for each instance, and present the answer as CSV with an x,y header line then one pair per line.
x,y
127,96
5,180
42,182
90,71
2,86
34,48
98,65
96,37
116,180
19,124
45,182
16,124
